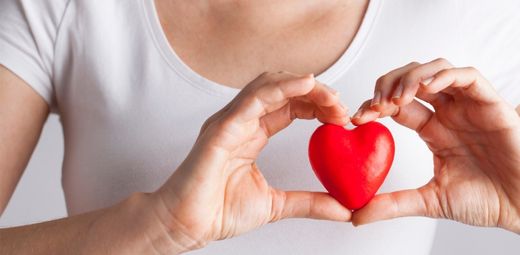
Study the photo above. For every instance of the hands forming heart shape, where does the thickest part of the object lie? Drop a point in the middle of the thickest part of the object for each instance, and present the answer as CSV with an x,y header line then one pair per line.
x,y
219,192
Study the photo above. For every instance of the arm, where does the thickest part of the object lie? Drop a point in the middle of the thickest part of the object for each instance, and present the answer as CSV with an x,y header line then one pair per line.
x,y
216,193
125,228
22,115
518,109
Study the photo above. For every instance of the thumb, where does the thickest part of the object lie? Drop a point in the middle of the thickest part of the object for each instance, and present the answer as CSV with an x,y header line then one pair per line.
x,y
304,204
414,202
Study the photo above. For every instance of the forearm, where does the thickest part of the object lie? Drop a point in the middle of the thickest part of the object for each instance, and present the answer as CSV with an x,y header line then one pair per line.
x,y
516,223
126,228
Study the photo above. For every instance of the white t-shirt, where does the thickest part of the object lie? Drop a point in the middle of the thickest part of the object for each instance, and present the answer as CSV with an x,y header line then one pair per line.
x,y
131,109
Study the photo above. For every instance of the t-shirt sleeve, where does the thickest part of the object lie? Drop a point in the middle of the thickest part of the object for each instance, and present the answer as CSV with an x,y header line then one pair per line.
x,y
28,30
490,39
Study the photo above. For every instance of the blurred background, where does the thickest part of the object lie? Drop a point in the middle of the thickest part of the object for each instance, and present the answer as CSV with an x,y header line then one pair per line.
x,y
39,197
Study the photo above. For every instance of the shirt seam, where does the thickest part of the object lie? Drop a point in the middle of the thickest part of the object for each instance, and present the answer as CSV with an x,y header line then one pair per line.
x,y
57,35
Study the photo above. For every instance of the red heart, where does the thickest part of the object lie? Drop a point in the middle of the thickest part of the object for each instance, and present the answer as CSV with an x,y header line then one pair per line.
x,y
352,164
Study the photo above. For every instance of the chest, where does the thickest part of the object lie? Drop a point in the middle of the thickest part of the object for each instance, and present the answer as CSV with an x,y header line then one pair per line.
x,y
233,51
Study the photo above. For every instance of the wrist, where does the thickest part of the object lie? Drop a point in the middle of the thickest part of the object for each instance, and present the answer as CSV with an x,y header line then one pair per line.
x,y
134,227
125,228
514,225
155,236
167,233
509,218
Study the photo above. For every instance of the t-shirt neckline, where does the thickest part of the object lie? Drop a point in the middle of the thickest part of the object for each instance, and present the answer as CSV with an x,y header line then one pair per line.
x,y
329,76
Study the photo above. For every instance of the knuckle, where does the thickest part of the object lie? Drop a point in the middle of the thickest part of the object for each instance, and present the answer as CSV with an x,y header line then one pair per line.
x,y
265,74
311,209
277,205
410,78
206,124
259,80
366,103
445,72
279,83
224,123
262,78
224,120
472,70
382,81
442,61
214,130
251,101
209,121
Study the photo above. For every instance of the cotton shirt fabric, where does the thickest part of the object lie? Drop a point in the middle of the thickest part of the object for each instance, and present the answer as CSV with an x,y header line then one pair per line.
x,y
131,109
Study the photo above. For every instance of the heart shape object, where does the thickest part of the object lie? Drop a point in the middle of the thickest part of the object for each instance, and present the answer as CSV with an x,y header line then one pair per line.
x,y
352,164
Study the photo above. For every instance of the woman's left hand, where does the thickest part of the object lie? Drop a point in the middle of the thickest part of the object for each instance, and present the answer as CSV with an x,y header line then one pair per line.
x,y
474,136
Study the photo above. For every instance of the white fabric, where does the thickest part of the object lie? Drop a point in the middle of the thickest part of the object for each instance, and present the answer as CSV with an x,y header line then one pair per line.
x,y
131,109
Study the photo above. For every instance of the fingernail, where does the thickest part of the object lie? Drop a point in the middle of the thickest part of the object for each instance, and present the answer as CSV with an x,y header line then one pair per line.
x,y
377,98
398,91
358,114
427,81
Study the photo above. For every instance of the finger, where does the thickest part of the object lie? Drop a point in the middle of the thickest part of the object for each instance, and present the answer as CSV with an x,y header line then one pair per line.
x,y
414,202
386,83
433,99
327,100
413,115
409,84
266,95
303,204
402,85
333,101
273,122
366,113
467,80
323,95
328,114
262,97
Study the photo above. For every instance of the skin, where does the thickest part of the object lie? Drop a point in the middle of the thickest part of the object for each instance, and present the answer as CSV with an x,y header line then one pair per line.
x,y
232,42
474,136
148,223
217,192
22,115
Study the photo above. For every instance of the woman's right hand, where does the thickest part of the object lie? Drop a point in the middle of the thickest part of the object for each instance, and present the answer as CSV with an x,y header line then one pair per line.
x,y
218,191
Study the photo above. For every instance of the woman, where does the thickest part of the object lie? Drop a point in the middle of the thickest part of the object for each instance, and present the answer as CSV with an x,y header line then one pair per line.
x,y
133,82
